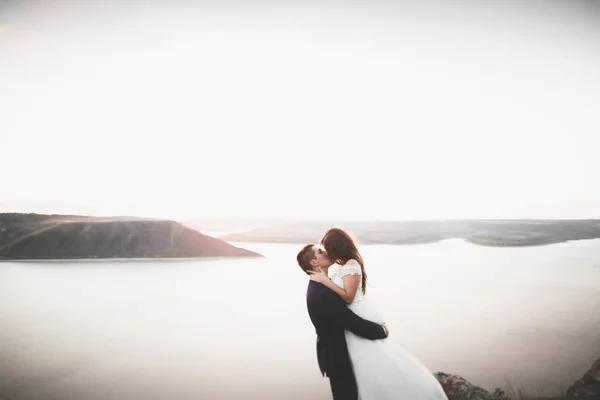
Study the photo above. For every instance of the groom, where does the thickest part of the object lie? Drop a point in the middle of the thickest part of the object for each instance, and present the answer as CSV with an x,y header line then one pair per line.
x,y
331,317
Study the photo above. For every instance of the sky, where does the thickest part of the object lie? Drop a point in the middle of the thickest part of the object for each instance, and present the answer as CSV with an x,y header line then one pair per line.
x,y
352,110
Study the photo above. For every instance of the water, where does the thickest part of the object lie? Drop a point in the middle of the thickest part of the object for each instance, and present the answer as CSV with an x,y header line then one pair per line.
x,y
238,328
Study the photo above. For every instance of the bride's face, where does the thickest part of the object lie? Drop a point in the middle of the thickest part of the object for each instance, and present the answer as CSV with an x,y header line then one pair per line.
x,y
322,260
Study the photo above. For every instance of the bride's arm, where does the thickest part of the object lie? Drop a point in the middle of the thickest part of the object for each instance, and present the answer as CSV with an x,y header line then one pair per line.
x,y
350,285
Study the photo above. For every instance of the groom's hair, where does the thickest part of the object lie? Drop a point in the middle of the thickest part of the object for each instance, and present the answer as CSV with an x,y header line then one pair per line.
x,y
305,256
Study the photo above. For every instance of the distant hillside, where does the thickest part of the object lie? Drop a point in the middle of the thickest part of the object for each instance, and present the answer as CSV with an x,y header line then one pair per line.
x,y
482,232
36,236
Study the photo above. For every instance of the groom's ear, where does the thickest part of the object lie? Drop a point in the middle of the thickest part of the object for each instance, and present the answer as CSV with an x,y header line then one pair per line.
x,y
313,263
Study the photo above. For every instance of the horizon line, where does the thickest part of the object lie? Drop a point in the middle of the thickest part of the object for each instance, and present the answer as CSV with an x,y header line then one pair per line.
x,y
287,219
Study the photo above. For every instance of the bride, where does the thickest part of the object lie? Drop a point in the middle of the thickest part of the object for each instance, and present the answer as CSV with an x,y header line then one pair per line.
x,y
383,370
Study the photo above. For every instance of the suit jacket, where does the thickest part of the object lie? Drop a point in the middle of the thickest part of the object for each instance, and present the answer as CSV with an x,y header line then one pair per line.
x,y
331,317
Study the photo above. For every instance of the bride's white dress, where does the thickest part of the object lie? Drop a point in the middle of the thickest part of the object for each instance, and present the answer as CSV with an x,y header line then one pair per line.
x,y
383,369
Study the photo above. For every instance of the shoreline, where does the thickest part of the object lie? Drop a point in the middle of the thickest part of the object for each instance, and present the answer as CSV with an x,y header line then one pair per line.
x,y
369,243
99,259
279,241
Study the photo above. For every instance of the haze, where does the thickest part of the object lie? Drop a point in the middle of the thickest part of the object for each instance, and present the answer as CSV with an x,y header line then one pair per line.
x,y
355,110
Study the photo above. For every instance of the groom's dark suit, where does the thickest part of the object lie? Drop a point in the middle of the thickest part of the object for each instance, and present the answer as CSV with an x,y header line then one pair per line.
x,y
331,317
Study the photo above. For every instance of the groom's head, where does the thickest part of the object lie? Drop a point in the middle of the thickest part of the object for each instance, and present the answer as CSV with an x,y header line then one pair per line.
x,y
310,258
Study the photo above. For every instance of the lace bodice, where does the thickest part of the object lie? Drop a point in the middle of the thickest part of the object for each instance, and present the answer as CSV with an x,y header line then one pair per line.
x,y
352,267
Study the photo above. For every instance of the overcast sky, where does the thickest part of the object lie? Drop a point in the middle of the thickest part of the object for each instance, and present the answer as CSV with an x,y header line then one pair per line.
x,y
353,110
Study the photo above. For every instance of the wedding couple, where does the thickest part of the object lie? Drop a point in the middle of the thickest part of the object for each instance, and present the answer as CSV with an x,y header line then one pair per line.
x,y
352,346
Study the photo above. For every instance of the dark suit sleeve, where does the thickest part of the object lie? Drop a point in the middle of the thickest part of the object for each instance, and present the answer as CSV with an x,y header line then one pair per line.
x,y
334,308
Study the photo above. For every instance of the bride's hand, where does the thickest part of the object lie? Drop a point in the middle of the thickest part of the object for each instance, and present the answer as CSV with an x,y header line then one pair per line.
x,y
318,276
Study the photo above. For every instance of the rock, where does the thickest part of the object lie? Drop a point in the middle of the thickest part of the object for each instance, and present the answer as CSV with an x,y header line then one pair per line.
x,y
588,387
458,388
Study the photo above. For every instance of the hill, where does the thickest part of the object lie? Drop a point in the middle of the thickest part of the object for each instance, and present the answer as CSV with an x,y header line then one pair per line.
x,y
482,232
36,236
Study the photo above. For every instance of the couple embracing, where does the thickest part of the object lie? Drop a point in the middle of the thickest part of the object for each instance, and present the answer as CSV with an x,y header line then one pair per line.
x,y
353,350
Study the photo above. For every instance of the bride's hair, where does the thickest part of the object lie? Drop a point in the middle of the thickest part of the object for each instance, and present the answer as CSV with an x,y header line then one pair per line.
x,y
341,248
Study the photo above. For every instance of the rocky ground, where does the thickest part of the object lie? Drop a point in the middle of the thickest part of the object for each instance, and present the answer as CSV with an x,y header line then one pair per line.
x,y
458,388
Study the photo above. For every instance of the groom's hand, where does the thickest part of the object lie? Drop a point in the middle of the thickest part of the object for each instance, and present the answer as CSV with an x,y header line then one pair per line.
x,y
386,330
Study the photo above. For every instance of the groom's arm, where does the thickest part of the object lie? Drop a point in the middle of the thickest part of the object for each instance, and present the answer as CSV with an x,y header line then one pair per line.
x,y
334,308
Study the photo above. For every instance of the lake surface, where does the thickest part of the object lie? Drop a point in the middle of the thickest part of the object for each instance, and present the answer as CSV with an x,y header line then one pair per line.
x,y
238,328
